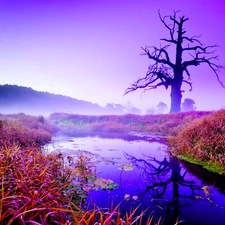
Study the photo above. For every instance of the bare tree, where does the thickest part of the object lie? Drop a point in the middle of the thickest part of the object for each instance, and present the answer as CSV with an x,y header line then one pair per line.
x,y
163,72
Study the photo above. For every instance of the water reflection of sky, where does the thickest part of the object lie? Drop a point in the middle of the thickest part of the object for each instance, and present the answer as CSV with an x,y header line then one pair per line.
x,y
162,184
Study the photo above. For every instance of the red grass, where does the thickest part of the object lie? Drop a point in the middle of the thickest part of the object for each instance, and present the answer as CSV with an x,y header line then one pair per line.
x,y
204,139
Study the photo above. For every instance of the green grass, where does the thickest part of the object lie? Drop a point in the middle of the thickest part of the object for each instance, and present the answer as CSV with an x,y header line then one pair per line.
x,y
210,166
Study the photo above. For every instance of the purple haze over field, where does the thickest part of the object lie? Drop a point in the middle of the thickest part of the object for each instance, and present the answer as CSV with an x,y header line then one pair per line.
x,y
90,49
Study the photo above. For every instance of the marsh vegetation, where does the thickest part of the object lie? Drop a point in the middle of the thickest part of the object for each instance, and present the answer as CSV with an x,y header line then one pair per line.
x,y
39,187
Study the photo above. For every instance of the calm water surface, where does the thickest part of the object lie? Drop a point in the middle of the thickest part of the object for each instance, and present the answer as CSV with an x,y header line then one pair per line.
x,y
164,186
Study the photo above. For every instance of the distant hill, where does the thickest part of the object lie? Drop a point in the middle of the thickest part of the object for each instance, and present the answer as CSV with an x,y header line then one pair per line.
x,y
17,99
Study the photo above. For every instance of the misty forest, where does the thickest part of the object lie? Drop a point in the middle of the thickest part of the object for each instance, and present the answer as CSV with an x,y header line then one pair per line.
x,y
61,164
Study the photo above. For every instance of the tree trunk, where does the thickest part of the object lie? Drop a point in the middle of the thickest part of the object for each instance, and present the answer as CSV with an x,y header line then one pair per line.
x,y
178,75
175,97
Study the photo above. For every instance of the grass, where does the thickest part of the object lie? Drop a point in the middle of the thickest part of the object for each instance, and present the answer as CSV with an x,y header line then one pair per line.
x,y
210,166
29,185
24,130
202,142
168,124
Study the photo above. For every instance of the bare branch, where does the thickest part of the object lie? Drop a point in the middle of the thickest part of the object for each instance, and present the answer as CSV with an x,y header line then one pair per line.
x,y
215,68
201,48
188,74
158,55
192,40
200,58
162,75
167,40
189,83
171,29
182,20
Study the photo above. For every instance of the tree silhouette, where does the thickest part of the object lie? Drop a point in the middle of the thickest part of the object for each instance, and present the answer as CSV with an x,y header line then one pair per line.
x,y
129,108
161,107
163,72
112,108
188,105
151,110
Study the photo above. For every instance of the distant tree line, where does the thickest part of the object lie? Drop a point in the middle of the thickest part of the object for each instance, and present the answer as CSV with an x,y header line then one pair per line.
x,y
113,108
187,105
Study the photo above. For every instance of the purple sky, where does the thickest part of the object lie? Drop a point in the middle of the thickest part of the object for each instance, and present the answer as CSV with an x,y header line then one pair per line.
x,y
90,49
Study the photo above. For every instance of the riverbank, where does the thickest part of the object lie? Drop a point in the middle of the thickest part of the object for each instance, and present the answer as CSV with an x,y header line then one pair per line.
x,y
202,142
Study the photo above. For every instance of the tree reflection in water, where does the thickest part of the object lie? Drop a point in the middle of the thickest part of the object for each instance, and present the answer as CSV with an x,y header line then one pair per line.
x,y
160,176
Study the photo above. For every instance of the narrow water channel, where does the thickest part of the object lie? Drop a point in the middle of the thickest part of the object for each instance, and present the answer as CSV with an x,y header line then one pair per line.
x,y
148,178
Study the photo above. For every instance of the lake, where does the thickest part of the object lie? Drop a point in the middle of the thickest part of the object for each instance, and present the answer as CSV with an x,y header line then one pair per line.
x,y
148,178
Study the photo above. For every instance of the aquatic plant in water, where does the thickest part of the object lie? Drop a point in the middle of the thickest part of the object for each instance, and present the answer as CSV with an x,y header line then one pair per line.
x,y
82,172
126,167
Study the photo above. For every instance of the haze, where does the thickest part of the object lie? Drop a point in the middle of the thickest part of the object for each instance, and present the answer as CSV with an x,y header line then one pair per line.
x,y
90,50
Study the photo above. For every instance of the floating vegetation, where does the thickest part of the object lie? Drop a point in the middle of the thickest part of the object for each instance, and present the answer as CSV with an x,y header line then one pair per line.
x,y
104,184
83,170
128,197
113,150
126,167
206,190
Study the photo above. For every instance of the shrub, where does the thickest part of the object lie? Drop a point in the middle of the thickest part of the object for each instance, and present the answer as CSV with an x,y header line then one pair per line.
x,y
204,139
24,130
